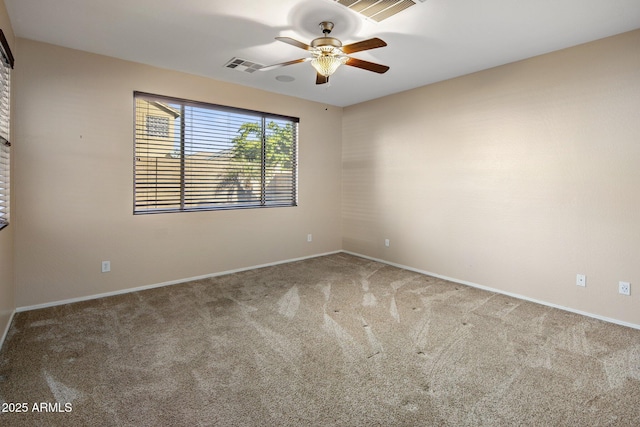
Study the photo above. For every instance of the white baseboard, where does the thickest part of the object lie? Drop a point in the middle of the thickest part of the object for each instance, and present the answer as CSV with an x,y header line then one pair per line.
x,y
405,267
158,285
6,329
487,288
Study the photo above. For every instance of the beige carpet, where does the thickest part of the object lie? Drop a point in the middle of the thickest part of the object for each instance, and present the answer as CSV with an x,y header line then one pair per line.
x,y
335,340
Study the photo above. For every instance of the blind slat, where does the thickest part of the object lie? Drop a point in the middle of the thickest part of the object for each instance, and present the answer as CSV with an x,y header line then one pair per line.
x,y
5,89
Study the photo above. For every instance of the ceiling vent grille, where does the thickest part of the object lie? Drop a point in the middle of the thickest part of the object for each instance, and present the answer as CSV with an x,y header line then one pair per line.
x,y
378,10
243,65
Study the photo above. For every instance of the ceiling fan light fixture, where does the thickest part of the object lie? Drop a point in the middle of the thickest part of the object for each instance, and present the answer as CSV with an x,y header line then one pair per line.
x,y
326,65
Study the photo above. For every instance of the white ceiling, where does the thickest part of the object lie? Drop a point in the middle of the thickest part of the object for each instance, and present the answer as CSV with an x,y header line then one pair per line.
x,y
429,42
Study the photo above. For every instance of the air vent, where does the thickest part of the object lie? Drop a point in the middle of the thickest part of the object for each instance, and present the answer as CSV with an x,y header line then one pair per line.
x,y
243,65
378,10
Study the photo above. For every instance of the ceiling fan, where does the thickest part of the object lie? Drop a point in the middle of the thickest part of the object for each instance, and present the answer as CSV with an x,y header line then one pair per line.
x,y
328,53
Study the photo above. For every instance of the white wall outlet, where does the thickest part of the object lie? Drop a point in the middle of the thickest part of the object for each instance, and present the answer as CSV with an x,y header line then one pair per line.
x,y
309,237
386,242
624,288
106,266
581,280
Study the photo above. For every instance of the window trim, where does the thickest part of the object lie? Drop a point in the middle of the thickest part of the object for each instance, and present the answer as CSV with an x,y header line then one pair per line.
x,y
263,116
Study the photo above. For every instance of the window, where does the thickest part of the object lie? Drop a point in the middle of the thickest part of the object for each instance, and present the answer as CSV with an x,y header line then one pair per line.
x,y
194,156
158,126
6,64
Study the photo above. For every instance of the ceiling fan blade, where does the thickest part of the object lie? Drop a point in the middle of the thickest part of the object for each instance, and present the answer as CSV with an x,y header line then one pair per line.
x,y
283,64
320,79
363,45
366,65
294,42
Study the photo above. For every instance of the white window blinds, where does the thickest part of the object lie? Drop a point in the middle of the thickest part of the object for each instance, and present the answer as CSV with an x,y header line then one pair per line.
x,y
196,156
6,64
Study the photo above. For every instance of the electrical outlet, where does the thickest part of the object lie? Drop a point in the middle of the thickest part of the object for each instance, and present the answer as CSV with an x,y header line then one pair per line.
x,y
386,242
309,237
106,266
581,280
624,288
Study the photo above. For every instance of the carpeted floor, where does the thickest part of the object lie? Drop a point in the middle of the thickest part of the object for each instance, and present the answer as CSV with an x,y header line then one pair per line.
x,y
330,341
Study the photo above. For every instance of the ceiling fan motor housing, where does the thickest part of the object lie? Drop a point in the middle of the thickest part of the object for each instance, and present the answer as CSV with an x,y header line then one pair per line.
x,y
326,41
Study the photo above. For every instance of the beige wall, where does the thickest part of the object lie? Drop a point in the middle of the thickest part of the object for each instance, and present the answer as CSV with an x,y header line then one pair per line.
x,y
7,300
74,178
515,178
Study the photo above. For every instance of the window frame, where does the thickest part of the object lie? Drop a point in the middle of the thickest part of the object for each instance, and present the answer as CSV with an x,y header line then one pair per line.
x,y
186,204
